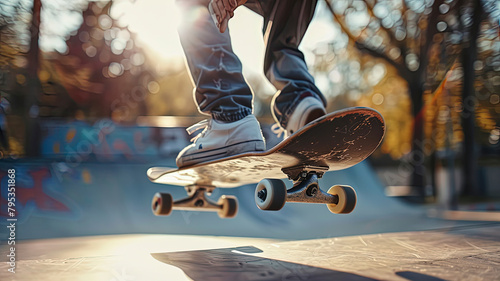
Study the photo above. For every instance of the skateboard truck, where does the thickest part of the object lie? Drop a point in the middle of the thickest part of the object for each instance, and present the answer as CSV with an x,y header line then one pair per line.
x,y
197,200
271,194
297,173
307,190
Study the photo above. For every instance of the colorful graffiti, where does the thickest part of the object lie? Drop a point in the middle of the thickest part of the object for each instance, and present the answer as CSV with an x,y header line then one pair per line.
x,y
36,193
105,141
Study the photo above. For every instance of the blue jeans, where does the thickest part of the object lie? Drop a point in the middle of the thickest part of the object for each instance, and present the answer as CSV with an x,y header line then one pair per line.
x,y
220,89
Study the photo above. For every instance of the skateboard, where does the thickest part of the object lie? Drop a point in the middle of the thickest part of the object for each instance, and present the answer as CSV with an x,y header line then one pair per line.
x,y
336,141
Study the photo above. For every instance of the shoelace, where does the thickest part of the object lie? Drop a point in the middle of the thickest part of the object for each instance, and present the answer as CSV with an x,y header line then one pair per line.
x,y
278,130
198,126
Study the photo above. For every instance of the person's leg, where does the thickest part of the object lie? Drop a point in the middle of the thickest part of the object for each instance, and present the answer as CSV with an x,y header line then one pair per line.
x,y
285,25
220,89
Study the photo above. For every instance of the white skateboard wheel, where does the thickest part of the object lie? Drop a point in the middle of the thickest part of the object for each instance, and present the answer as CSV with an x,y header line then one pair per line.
x,y
229,207
162,204
270,194
347,199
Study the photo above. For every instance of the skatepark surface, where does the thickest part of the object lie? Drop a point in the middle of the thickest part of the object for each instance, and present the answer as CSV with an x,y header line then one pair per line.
x,y
462,253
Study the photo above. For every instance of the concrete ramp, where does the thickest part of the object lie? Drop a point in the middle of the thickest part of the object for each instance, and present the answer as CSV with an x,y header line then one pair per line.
x,y
104,198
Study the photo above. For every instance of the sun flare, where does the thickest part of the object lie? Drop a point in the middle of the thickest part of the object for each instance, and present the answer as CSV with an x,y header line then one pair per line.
x,y
155,23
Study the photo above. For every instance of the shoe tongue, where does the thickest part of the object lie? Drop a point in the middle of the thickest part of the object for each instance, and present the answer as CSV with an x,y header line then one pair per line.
x,y
224,121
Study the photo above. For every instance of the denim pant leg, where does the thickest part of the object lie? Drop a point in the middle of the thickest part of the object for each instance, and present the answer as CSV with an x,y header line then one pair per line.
x,y
285,23
220,89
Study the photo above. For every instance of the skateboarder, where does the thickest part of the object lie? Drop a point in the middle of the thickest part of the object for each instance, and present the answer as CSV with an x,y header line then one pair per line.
x,y
220,88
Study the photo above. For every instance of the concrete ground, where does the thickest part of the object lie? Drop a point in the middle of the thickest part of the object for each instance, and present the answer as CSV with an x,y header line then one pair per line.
x,y
461,253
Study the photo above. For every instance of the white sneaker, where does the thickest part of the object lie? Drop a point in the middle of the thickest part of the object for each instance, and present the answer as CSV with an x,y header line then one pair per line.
x,y
219,140
308,110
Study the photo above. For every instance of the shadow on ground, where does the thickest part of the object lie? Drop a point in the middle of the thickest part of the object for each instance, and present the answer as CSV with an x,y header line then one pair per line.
x,y
241,263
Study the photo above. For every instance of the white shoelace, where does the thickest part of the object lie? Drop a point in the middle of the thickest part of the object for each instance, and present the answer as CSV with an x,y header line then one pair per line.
x,y
203,124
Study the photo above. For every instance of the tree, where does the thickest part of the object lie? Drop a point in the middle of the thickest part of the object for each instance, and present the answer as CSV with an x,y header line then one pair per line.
x,y
9,13
34,88
403,34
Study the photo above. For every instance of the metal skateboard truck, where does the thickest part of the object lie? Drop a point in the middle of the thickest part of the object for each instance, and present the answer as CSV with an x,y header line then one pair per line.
x,y
197,200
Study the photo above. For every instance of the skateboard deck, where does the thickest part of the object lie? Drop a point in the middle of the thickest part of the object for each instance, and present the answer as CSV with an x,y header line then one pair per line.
x,y
335,141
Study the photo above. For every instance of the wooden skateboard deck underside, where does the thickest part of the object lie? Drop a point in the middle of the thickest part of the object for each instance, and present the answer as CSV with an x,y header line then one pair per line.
x,y
338,141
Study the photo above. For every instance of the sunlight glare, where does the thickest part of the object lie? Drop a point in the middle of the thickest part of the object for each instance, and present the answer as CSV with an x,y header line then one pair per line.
x,y
154,22
246,35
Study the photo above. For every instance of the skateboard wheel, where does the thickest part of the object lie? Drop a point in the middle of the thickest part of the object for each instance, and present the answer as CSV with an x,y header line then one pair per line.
x,y
347,199
229,207
162,204
270,194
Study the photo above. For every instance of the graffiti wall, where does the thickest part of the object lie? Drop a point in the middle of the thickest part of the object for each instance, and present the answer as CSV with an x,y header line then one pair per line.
x,y
104,140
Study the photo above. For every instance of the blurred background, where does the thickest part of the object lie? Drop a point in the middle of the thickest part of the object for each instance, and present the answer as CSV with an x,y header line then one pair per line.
x,y
95,92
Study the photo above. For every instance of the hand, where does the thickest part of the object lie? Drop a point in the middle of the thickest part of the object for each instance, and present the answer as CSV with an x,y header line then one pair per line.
x,y
223,10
